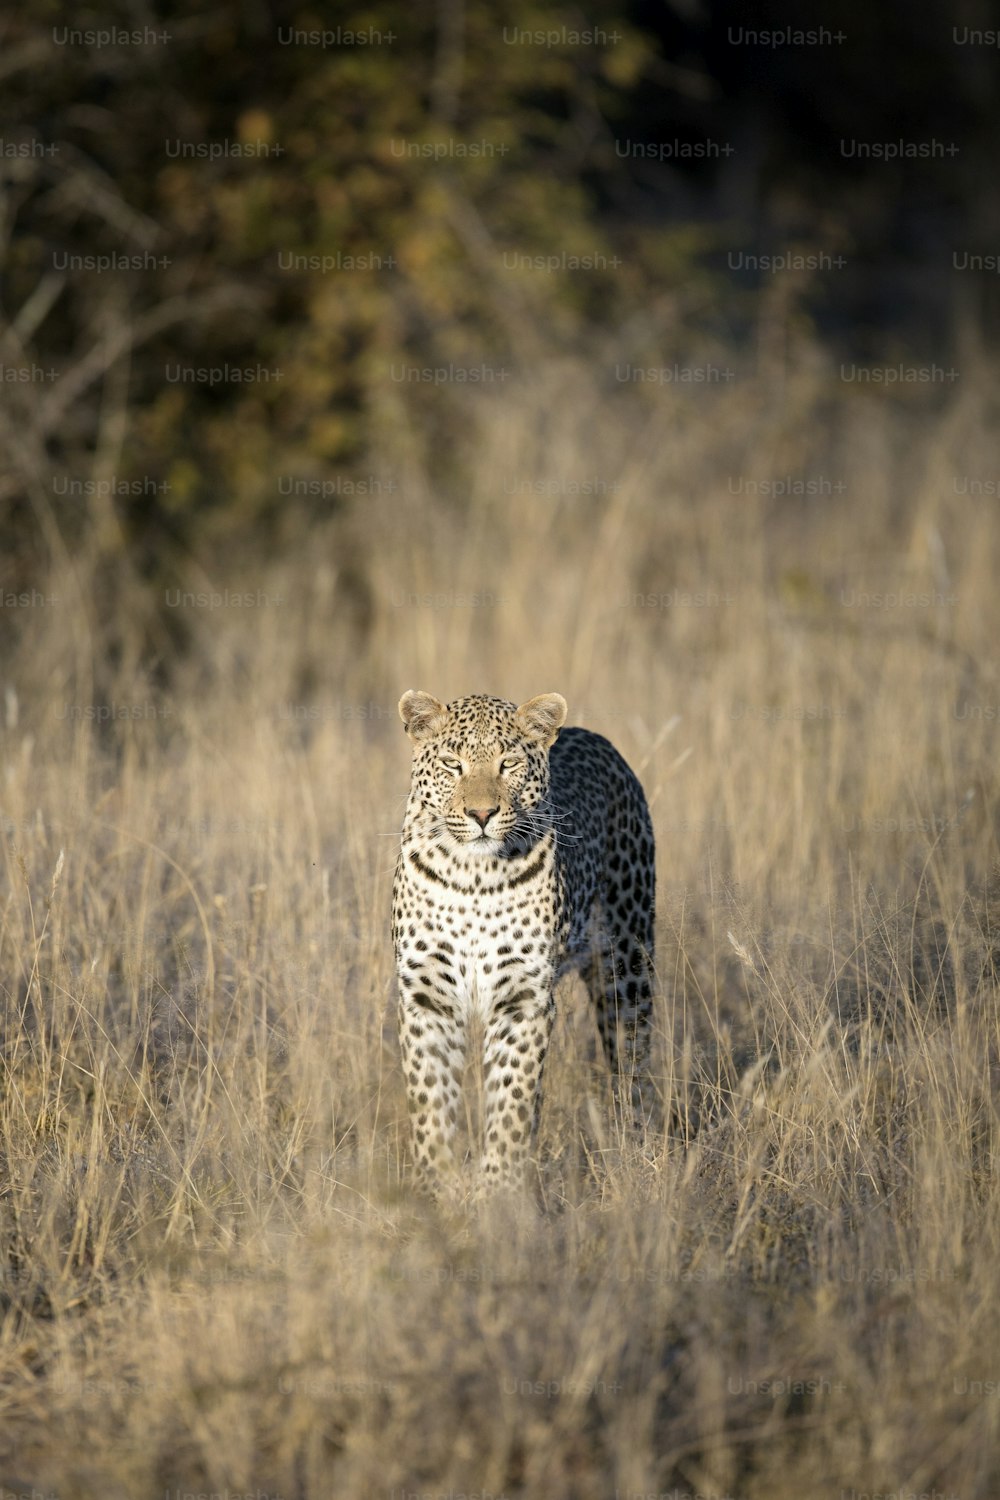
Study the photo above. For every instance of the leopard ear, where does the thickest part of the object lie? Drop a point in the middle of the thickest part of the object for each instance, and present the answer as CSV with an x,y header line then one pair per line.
x,y
541,718
421,714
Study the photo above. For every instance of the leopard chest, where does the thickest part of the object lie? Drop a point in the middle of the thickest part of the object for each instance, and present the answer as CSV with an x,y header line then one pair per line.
x,y
472,935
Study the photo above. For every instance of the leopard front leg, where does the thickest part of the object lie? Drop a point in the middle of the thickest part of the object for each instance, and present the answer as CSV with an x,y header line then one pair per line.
x,y
517,1032
433,1045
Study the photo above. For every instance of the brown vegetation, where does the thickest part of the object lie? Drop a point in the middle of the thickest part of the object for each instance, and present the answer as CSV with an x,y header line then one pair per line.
x,y
214,1276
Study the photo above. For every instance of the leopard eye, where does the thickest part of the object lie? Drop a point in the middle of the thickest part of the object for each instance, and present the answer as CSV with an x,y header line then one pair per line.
x,y
511,762
451,764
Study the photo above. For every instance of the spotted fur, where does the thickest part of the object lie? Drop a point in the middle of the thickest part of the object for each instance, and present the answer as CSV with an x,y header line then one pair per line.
x,y
525,853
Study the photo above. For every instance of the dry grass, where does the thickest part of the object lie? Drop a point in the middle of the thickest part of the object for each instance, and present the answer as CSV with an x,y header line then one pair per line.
x,y
214,1277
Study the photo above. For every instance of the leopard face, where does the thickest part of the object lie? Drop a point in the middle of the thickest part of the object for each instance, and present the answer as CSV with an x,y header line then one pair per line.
x,y
481,769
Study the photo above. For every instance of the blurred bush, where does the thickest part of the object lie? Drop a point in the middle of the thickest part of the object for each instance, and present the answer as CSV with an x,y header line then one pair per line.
x,y
328,204
354,219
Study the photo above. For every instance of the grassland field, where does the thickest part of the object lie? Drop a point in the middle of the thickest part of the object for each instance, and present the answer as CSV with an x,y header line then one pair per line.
x,y
778,598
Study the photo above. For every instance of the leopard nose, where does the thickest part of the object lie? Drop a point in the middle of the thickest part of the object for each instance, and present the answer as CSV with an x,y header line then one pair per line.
x,y
482,815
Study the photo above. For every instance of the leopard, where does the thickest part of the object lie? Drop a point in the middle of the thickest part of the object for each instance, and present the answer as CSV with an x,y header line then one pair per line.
x,y
527,852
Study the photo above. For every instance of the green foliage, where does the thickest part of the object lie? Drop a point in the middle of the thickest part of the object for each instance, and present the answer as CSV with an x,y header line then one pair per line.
x,y
341,246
